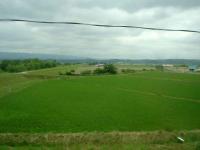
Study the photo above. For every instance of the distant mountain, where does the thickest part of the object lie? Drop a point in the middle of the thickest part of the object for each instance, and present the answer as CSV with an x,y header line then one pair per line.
x,y
8,55
132,61
164,61
74,59
138,61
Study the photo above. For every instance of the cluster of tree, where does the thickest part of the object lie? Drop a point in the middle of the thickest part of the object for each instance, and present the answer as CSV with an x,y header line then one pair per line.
x,y
159,67
71,72
107,69
26,65
180,65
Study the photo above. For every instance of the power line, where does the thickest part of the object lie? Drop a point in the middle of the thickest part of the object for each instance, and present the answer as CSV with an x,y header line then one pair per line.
x,y
98,25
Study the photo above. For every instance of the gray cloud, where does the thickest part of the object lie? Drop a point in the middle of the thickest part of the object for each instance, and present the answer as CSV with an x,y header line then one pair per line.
x,y
130,5
102,42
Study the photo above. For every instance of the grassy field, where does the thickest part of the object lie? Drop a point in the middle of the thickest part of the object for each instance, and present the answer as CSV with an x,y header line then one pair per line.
x,y
43,102
12,82
140,102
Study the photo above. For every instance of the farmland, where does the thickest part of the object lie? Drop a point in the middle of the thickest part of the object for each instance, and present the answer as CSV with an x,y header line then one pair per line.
x,y
137,102
141,101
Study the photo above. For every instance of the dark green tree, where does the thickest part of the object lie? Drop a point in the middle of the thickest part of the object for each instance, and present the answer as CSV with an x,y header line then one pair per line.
x,y
110,68
159,67
99,71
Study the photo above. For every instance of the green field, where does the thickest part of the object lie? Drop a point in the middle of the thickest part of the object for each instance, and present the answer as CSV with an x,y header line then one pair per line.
x,y
144,101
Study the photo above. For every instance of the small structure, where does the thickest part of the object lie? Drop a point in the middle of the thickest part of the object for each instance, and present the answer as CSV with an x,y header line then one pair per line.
x,y
192,68
180,140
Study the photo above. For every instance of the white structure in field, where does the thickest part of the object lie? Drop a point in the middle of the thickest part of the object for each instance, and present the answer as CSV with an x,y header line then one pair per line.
x,y
180,139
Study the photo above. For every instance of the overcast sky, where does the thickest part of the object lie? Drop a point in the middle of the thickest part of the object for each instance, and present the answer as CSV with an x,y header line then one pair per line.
x,y
98,42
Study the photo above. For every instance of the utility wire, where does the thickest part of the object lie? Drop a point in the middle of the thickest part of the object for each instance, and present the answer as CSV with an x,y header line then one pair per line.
x,y
98,25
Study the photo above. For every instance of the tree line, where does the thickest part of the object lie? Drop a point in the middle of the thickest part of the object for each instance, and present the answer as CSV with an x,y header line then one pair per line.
x,y
26,65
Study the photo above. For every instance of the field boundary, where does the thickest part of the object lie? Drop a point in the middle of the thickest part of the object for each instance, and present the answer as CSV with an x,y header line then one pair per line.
x,y
99,138
164,79
157,94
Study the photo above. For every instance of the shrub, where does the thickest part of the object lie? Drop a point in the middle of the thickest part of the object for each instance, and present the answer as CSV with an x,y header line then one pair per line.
x,y
72,70
197,146
86,72
99,71
128,71
60,73
68,73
